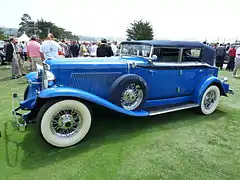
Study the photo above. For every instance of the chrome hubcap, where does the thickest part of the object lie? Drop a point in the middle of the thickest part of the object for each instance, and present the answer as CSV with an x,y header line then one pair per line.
x,y
66,123
210,99
131,97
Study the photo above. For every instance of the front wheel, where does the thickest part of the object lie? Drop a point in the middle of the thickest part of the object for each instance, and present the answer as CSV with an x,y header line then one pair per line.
x,y
210,100
64,123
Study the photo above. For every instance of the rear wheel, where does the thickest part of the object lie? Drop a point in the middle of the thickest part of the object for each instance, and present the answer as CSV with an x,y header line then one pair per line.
x,y
210,100
64,123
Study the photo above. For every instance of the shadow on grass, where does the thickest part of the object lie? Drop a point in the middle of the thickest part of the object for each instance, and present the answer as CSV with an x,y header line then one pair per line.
x,y
11,157
2,79
106,129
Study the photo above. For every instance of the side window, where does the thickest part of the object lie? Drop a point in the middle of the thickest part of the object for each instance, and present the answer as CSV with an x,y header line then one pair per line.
x,y
167,54
191,55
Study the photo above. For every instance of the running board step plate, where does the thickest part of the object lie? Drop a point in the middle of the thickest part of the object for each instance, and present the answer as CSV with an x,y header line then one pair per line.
x,y
178,107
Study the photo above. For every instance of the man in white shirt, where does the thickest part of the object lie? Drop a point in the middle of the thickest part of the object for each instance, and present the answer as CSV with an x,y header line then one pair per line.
x,y
114,48
237,62
49,48
93,49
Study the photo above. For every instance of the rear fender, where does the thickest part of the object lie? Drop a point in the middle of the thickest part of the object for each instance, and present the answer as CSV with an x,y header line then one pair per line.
x,y
201,88
78,93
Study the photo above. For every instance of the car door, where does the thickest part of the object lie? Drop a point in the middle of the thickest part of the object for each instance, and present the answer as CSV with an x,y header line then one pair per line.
x,y
190,70
162,75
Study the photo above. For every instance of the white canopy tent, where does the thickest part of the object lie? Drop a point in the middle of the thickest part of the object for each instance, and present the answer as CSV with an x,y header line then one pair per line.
x,y
24,38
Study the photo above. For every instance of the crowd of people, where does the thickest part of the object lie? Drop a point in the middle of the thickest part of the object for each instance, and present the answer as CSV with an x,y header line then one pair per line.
x,y
230,53
36,51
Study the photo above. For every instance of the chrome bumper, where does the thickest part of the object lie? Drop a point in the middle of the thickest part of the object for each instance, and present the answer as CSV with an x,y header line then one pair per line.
x,y
20,120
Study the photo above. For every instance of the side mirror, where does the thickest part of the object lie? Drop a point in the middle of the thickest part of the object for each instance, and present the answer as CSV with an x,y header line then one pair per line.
x,y
153,58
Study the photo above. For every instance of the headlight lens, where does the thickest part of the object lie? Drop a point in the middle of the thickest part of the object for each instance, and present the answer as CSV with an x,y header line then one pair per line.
x,y
44,74
46,66
50,76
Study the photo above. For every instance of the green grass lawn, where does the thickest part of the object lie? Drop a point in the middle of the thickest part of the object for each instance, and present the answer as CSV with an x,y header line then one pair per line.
x,y
179,145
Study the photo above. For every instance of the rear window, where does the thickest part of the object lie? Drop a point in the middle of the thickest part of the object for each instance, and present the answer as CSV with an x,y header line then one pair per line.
x,y
189,55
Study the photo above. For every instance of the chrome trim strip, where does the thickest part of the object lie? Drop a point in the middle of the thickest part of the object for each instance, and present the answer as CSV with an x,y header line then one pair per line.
x,y
180,55
151,52
177,64
30,82
167,110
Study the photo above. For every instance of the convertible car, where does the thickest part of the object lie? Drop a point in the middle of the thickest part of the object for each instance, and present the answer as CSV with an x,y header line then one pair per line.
x,y
148,78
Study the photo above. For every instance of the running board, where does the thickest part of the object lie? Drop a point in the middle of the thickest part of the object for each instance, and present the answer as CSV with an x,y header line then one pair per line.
x,y
163,110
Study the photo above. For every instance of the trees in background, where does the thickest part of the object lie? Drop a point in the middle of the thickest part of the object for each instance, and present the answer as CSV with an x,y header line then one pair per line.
x,y
140,30
2,35
41,28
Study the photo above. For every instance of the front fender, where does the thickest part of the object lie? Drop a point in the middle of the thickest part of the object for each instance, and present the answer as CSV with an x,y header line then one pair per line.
x,y
72,92
201,88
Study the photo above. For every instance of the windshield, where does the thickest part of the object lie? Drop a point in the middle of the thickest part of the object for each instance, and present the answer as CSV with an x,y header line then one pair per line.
x,y
135,50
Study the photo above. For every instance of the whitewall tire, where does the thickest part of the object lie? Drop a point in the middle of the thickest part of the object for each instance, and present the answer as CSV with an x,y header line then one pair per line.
x,y
64,123
210,100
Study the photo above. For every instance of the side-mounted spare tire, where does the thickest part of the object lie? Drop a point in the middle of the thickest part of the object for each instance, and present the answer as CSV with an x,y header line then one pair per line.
x,y
129,92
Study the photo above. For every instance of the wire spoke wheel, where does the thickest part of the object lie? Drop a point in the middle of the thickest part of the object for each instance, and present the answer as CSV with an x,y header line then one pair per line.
x,y
131,97
210,99
66,123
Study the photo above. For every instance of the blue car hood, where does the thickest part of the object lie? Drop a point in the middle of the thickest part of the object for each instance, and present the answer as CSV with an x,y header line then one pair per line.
x,y
87,63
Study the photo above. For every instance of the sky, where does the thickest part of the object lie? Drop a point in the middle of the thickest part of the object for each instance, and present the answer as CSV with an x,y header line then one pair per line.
x,y
171,19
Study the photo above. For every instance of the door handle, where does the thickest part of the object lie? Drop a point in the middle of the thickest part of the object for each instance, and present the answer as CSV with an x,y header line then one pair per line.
x,y
152,71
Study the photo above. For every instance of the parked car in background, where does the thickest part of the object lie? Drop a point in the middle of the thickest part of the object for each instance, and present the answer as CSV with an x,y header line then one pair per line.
x,y
148,78
2,53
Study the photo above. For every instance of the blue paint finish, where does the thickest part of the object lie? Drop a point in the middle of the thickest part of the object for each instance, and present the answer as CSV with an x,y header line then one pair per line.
x,y
28,104
226,87
94,75
205,83
165,102
188,81
31,96
98,83
159,86
92,78
71,92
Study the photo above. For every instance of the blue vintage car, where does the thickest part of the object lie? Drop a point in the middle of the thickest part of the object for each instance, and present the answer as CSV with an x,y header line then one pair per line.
x,y
148,78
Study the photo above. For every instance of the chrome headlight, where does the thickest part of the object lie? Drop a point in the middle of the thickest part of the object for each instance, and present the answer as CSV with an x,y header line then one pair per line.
x,y
46,66
50,76
46,76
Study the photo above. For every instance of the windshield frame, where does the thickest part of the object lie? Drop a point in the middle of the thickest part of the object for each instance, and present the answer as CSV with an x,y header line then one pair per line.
x,y
136,43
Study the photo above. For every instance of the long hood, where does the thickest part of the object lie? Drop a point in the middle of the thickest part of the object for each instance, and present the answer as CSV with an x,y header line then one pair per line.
x,y
87,63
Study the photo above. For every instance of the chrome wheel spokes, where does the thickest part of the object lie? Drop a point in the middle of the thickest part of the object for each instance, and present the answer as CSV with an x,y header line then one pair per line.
x,y
210,99
66,122
132,97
